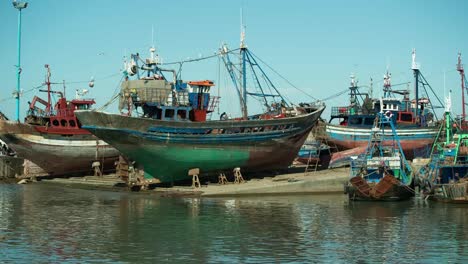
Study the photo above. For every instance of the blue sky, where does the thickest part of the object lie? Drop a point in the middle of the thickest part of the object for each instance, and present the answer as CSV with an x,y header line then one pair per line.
x,y
316,45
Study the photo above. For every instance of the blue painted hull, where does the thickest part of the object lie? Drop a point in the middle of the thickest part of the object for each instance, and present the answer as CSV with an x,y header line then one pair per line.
x,y
345,137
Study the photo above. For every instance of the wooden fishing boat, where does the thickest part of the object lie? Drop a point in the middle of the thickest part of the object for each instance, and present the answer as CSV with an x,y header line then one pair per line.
x,y
414,122
382,173
174,135
52,137
445,177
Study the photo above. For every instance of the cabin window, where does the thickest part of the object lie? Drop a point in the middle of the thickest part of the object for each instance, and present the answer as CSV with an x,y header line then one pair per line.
x,y
55,122
181,114
169,113
406,117
369,121
355,121
63,122
72,123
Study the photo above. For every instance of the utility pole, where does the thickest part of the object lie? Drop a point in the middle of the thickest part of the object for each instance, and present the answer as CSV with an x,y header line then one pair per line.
x,y
20,6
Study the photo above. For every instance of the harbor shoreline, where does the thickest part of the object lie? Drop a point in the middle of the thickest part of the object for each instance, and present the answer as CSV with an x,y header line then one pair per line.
x,y
316,182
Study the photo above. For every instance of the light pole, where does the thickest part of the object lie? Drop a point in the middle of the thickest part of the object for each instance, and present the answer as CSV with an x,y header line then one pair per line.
x,y
20,6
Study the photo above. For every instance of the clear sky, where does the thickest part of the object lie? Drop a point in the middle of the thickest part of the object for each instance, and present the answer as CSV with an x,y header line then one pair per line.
x,y
316,45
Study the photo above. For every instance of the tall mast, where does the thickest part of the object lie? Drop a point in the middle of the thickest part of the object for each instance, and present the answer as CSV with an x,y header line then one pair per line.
x,y
47,82
461,70
387,84
415,68
243,50
448,106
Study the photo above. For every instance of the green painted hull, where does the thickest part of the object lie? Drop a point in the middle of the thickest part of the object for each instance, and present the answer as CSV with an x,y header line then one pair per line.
x,y
171,163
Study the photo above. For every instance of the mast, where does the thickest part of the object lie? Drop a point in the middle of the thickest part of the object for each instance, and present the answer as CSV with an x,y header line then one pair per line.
x,y
415,68
448,106
47,82
461,70
243,51
353,93
387,84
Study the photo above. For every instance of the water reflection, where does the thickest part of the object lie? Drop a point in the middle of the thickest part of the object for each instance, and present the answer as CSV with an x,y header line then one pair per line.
x,y
56,224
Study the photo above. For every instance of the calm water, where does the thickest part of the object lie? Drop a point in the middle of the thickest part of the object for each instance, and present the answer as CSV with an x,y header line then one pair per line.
x,y
43,223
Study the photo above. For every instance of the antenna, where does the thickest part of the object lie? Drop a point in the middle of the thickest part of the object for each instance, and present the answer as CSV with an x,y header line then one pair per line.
x,y
461,70
414,64
354,81
152,36
444,81
242,30
448,102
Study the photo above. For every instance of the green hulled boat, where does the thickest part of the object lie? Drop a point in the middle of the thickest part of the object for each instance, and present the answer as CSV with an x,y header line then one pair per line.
x,y
174,134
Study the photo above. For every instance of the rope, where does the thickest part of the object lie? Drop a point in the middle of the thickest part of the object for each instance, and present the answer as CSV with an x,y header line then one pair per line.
x,y
74,82
335,95
115,96
199,59
367,175
409,188
108,103
281,76
24,92
103,78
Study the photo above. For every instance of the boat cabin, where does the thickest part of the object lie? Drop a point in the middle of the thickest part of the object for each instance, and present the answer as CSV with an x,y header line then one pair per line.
x,y
189,101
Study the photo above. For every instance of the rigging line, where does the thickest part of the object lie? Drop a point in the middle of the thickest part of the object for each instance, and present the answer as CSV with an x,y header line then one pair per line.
x,y
115,95
249,55
118,85
108,103
219,81
103,78
199,59
283,77
24,92
335,95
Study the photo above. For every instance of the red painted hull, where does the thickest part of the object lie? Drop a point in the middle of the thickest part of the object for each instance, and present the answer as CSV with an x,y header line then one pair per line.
x,y
408,146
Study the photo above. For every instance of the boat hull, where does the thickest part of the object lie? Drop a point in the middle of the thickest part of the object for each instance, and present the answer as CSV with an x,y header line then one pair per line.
x,y
411,139
57,154
396,193
166,150
378,188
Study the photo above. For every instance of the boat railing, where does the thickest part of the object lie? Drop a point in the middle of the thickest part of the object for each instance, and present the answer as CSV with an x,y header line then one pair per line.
x,y
462,160
214,102
64,112
340,111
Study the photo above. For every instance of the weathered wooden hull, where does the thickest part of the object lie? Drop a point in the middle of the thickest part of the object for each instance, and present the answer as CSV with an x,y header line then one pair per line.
x,y
453,192
387,188
56,154
344,137
398,193
166,150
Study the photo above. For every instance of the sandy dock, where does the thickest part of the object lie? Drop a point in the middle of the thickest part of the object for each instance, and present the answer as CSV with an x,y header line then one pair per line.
x,y
324,181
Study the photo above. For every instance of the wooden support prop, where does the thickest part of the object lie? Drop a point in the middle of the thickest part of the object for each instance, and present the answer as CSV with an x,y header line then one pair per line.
x,y
195,180
238,176
97,168
222,179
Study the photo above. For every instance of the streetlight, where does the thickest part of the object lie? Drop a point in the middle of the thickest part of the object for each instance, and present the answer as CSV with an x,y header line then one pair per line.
x,y
20,6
